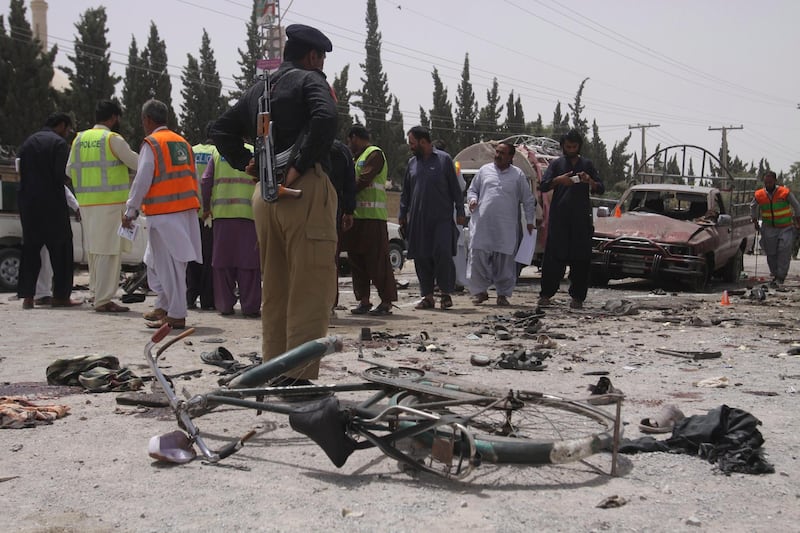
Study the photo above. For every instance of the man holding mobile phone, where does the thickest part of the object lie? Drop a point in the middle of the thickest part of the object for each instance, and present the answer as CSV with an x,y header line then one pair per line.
x,y
572,179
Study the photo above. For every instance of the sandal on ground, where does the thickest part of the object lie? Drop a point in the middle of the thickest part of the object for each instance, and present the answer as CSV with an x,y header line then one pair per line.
x,y
521,360
111,307
425,303
219,357
362,309
501,333
663,422
446,302
601,392
382,310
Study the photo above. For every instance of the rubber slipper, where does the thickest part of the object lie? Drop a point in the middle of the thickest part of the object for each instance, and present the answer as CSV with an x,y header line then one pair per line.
x,y
480,360
501,333
601,391
219,357
663,422
544,341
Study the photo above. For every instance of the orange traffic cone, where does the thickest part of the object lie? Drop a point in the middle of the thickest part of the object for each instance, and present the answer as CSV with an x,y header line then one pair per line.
x,y
725,300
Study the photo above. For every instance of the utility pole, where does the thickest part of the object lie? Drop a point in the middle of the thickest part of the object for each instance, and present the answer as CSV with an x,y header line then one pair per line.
x,y
643,127
269,22
724,130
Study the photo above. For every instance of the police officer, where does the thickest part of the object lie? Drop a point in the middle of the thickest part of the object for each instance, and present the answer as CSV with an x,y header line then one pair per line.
x,y
297,236
98,165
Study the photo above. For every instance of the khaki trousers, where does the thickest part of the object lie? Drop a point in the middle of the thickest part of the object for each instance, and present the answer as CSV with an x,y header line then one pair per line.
x,y
297,242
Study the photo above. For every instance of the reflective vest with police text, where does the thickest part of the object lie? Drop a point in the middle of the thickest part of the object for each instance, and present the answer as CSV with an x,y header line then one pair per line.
x,y
99,177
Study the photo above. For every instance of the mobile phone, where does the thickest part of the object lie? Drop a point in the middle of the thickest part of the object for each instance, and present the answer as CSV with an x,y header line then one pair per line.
x,y
575,178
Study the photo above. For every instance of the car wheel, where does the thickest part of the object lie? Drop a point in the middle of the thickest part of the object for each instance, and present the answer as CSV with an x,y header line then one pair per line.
x,y
734,268
9,268
396,256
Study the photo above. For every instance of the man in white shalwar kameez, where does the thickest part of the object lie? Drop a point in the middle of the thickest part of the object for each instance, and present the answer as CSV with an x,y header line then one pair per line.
x,y
494,199
174,237
98,164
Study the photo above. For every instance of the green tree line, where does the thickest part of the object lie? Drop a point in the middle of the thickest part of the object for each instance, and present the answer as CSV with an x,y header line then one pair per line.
x,y
27,96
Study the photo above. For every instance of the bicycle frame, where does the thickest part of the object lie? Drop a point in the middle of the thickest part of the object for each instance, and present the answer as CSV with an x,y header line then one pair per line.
x,y
424,412
381,427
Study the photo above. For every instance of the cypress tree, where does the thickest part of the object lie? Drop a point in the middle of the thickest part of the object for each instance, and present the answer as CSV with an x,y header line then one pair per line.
x,y
91,79
489,115
374,95
27,73
343,103
248,57
158,83
202,93
578,122
134,94
466,111
441,114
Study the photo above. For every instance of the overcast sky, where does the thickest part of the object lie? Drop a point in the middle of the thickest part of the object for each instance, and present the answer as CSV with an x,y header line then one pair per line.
x,y
685,65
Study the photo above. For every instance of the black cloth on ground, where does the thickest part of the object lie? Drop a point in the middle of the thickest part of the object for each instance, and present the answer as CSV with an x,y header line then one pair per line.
x,y
726,436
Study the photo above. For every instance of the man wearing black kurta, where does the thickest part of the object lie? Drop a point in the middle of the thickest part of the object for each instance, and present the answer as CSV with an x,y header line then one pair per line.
x,y
43,210
572,179
430,193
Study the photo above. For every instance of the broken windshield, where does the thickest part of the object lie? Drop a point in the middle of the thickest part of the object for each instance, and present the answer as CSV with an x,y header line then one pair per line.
x,y
677,205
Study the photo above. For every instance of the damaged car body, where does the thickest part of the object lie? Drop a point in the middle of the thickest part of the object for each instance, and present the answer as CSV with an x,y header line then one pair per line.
x,y
676,226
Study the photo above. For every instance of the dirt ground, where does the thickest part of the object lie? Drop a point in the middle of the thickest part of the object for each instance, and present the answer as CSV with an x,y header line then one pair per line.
x,y
90,471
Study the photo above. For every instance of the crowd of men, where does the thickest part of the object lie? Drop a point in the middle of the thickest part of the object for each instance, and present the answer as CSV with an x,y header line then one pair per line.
x,y
212,237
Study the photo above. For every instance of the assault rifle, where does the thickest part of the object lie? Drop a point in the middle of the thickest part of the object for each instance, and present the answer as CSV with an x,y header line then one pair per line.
x,y
270,166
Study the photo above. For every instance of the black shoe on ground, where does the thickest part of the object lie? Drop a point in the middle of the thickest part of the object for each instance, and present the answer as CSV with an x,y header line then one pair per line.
x,y
362,309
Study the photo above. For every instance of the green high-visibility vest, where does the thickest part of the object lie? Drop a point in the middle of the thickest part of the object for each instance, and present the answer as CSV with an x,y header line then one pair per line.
x,y
99,177
202,155
232,194
371,201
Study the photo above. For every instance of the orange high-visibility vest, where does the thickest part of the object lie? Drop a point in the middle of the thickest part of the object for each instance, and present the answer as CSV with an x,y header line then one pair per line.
x,y
775,211
174,187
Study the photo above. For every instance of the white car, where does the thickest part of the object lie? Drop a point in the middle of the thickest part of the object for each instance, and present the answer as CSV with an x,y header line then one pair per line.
x,y
397,250
11,248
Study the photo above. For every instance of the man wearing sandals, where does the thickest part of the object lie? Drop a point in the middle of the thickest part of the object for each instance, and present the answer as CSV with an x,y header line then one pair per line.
x,y
98,165
165,188
572,179
367,242
494,197
430,192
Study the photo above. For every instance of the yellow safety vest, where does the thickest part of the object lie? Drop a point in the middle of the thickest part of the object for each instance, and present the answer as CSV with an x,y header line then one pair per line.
x,y
202,155
233,189
371,201
99,177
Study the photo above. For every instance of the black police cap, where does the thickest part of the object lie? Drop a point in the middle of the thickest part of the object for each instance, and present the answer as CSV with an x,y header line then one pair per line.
x,y
310,36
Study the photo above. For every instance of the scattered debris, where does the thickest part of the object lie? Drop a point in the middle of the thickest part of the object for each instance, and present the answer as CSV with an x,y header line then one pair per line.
x,y
719,383
612,502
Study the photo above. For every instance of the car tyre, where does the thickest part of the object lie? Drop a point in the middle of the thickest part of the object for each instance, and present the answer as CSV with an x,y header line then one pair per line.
x,y
9,268
396,256
733,269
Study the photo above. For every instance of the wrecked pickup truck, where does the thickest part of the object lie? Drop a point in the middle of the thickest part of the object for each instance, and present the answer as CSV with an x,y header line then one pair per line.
x,y
676,226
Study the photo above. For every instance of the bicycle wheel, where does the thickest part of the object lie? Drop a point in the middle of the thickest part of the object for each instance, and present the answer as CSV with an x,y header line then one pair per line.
x,y
293,359
520,427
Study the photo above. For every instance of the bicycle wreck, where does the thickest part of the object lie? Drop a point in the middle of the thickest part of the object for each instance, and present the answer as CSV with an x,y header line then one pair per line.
x,y
426,421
